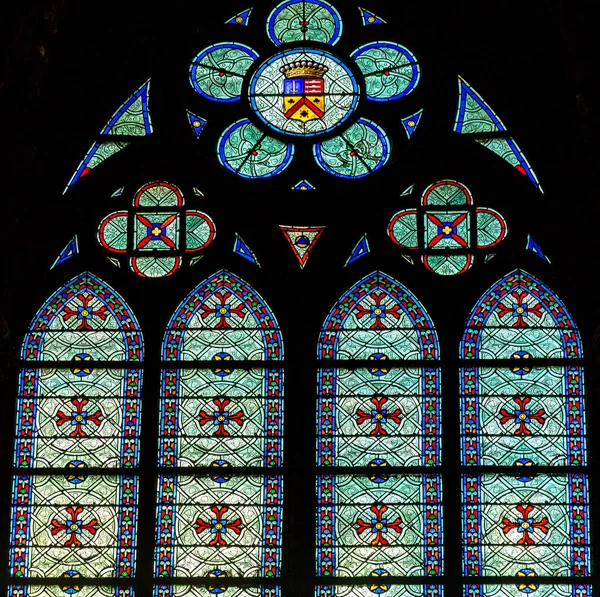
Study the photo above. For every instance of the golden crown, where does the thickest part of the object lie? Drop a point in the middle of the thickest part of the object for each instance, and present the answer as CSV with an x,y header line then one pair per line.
x,y
303,68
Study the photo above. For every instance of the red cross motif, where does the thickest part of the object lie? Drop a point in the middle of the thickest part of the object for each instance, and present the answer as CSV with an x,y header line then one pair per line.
x,y
378,525
221,417
84,312
522,416
222,311
447,230
525,525
73,526
378,416
520,309
156,231
78,417
377,312
219,525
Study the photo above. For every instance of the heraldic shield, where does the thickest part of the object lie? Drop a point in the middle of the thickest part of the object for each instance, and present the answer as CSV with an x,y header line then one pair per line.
x,y
304,90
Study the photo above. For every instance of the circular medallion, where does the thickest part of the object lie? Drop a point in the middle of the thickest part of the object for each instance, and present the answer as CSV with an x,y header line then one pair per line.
x,y
219,476
378,475
74,588
378,583
76,474
304,92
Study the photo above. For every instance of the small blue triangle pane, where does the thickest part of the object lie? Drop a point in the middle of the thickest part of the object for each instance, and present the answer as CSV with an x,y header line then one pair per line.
x,y
69,251
408,191
410,123
370,18
303,185
243,250
360,250
241,18
118,192
196,123
535,248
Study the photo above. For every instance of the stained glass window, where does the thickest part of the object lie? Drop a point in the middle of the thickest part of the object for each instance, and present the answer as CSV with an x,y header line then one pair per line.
x,y
525,515
378,410
78,411
220,414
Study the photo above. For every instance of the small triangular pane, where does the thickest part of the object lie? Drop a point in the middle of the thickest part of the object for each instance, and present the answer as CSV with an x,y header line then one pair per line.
x,y
133,116
114,261
243,250
195,260
303,185
69,251
474,115
489,257
302,239
360,250
408,191
198,192
241,18
535,248
409,259
118,192
410,123
370,18
196,123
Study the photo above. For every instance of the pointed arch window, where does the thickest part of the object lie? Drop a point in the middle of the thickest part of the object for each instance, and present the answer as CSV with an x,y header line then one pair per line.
x,y
378,495
78,411
525,512
220,448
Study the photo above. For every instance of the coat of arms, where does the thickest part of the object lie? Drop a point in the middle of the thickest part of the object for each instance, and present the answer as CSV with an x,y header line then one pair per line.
x,y
304,90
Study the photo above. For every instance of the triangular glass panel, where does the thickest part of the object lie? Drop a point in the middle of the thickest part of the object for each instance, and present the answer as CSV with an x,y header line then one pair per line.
x,y
474,115
360,250
535,248
489,257
195,260
302,239
243,250
69,251
241,18
370,18
410,123
303,185
114,261
196,123
198,192
118,192
409,259
408,191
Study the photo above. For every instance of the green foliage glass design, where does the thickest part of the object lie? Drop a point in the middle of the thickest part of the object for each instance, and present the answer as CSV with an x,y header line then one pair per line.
x,y
356,153
217,72
304,20
70,589
379,585
391,71
528,584
246,151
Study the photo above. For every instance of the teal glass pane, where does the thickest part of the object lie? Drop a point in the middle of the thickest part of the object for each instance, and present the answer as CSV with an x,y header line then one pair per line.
x,y
391,71
154,267
304,20
217,72
528,584
219,522
535,522
448,265
156,231
447,193
523,415
373,523
378,585
403,229
379,417
356,153
133,116
158,194
304,92
244,150
112,232
491,228
73,522
447,229
474,115
199,230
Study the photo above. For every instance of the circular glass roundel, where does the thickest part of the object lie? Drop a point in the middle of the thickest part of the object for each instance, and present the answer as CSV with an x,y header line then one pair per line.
x,y
303,92
356,153
391,71
248,152
304,20
217,72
